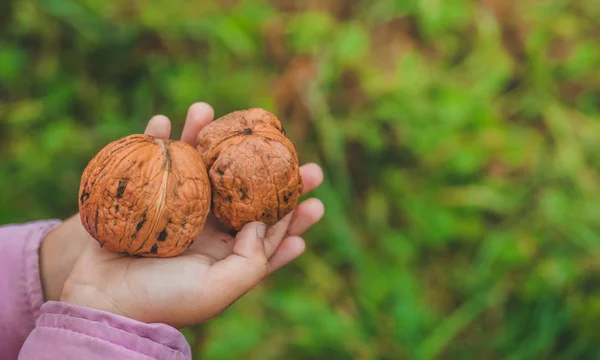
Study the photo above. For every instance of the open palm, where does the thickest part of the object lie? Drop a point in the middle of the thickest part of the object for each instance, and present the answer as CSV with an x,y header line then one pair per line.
x,y
212,274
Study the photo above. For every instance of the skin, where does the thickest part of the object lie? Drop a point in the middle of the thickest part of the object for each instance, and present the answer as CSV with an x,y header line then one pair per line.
x,y
216,270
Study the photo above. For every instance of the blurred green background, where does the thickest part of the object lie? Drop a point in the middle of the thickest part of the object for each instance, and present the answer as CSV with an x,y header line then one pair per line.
x,y
460,142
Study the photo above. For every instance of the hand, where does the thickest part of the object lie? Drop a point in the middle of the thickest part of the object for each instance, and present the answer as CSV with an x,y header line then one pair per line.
x,y
215,271
62,247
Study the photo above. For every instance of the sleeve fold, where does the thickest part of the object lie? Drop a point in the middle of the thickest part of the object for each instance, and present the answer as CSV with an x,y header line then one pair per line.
x,y
67,331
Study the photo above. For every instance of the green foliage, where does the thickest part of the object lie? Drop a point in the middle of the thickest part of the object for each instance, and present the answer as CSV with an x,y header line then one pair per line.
x,y
460,142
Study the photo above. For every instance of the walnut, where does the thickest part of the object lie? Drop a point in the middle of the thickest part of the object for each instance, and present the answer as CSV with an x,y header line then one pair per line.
x,y
253,168
145,196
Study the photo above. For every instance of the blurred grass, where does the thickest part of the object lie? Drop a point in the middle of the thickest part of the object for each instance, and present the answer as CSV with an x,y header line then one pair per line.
x,y
460,141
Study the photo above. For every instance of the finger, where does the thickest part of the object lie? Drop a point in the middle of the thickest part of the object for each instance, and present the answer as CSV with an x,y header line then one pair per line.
x,y
235,275
276,233
312,177
290,249
198,115
159,126
308,213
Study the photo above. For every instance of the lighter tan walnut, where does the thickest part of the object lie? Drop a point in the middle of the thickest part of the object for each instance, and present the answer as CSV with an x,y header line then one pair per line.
x,y
145,196
253,168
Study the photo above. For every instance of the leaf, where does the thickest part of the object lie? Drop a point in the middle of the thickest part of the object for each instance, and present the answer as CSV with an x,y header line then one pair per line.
x,y
352,44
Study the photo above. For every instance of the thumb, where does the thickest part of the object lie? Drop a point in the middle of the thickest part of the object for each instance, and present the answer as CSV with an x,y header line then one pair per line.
x,y
249,242
235,275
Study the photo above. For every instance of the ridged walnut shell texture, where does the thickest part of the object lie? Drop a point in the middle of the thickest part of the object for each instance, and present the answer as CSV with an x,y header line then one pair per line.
x,y
145,196
253,168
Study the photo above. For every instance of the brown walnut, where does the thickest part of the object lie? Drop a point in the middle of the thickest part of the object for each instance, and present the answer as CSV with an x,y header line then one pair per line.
x,y
253,168
145,196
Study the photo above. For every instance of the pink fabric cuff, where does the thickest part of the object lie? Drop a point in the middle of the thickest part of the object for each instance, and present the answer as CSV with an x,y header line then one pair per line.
x,y
20,285
63,326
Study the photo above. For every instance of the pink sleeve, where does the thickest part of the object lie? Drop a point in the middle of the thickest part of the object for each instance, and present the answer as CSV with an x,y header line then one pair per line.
x,y
66,331
55,330
20,287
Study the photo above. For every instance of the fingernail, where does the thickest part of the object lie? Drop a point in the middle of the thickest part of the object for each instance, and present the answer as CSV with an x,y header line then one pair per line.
x,y
260,230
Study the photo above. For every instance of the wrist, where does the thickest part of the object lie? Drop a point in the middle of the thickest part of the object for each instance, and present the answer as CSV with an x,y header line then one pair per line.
x,y
88,296
58,253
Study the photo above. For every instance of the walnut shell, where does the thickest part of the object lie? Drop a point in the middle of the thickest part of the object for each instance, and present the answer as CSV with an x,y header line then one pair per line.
x,y
145,196
253,168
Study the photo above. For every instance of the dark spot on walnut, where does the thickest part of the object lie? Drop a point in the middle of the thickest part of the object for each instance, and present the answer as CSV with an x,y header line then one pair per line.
x,y
84,197
227,199
184,222
121,188
247,131
141,222
286,197
244,194
117,208
162,236
220,172
154,249
96,221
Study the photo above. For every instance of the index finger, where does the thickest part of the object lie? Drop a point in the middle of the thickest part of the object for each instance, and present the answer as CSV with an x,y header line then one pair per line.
x,y
199,115
159,126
